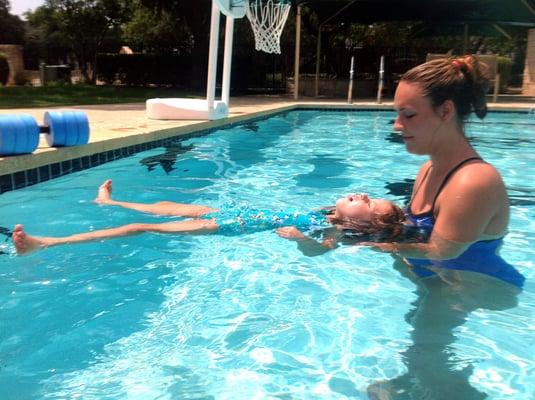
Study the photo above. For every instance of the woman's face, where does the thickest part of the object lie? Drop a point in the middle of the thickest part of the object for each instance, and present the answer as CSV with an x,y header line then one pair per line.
x,y
417,120
361,207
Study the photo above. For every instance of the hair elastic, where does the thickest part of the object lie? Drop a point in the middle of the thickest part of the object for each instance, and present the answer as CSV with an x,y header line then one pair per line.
x,y
461,66
458,64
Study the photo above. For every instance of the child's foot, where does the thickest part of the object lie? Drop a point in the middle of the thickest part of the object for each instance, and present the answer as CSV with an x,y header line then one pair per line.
x,y
25,243
104,192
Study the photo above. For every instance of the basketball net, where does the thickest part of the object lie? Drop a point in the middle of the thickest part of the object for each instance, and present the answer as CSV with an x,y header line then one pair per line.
x,y
267,19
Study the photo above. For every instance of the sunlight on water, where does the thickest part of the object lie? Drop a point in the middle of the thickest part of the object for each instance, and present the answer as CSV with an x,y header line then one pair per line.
x,y
244,317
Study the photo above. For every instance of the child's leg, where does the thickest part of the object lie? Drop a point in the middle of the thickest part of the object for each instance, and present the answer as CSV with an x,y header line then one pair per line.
x,y
167,208
25,243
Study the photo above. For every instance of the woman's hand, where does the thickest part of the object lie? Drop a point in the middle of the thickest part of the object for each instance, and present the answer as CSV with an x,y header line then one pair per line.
x,y
382,247
290,232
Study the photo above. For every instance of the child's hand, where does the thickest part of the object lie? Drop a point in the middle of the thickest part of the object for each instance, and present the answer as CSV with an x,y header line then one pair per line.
x,y
290,232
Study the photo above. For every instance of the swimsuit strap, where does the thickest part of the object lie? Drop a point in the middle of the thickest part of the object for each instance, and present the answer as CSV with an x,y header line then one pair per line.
x,y
444,181
419,186
448,176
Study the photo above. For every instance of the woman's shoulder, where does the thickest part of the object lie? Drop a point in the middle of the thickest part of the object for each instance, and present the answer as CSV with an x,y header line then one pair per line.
x,y
478,183
478,175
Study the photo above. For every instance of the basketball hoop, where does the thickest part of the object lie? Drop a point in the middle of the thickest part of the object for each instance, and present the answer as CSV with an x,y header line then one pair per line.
x,y
267,18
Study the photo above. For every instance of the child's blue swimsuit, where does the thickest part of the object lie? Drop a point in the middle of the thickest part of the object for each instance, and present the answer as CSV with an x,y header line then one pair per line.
x,y
238,220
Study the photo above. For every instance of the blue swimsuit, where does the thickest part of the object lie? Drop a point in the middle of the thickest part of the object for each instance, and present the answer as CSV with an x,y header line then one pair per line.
x,y
482,256
238,220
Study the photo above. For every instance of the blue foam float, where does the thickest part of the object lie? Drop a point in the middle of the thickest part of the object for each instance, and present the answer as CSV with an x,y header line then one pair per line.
x,y
19,133
66,128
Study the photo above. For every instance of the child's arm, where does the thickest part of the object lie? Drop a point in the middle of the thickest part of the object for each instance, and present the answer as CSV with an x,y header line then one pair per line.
x,y
308,246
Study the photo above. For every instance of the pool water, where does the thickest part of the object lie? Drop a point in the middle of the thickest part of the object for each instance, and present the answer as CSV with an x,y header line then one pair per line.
x,y
250,317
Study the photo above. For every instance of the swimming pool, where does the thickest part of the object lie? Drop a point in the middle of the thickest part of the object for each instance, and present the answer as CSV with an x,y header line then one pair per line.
x,y
246,317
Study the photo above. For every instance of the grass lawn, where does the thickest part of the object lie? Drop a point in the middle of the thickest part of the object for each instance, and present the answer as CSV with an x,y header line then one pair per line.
x,y
71,95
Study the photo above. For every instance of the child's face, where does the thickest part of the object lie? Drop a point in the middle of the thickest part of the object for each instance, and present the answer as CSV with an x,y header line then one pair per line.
x,y
361,207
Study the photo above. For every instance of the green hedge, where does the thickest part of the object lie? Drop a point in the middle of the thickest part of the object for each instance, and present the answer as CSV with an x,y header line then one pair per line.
x,y
143,69
505,67
4,69
248,71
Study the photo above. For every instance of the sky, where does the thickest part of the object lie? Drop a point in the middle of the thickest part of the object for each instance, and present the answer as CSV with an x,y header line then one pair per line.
x,y
18,7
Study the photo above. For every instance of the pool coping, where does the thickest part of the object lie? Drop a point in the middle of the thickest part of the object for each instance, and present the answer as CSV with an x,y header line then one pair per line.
x,y
48,163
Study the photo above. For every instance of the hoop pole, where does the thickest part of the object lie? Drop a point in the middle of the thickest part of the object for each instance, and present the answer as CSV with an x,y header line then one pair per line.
x,y
381,77
297,52
350,88
227,61
212,57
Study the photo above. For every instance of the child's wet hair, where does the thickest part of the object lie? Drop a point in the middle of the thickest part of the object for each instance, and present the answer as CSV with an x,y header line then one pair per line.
x,y
387,223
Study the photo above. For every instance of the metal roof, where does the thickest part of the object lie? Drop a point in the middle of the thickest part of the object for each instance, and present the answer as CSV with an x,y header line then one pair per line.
x,y
519,13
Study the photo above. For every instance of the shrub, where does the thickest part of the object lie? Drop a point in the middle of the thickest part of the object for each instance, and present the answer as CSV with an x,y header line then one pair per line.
x,y
21,78
505,66
4,69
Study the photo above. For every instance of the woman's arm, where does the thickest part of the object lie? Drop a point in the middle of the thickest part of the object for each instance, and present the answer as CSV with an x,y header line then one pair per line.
x,y
473,206
308,246
435,249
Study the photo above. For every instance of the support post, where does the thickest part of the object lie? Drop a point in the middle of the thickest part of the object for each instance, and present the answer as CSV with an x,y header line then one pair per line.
x,y
496,88
318,62
212,57
350,88
465,38
297,52
227,61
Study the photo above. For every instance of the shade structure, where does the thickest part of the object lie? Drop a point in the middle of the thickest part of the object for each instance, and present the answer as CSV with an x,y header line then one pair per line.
x,y
502,12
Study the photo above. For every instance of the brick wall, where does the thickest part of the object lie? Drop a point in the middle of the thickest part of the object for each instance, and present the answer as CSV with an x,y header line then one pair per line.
x,y
528,87
14,59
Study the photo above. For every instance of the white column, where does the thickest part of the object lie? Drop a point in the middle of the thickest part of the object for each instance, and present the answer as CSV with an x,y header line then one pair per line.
x,y
227,61
212,57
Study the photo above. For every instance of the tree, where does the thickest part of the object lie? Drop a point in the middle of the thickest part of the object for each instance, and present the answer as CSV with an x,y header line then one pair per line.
x,y
81,25
11,26
153,30
195,15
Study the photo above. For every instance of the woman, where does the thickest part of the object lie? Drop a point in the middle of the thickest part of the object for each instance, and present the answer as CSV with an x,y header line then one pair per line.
x,y
354,213
459,198
461,201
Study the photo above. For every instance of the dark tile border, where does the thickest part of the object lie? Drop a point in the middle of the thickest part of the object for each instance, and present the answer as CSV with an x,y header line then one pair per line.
x,y
33,176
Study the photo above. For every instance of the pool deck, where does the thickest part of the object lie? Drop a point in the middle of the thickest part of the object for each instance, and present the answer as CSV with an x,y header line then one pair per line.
x,y
118,126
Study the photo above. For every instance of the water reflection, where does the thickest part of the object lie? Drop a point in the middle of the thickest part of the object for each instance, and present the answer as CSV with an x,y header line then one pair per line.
x,y
394,137
166,159
434,370
325,172
401,189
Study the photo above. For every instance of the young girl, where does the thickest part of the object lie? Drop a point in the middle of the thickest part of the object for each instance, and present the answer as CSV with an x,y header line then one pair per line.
x,y
355,213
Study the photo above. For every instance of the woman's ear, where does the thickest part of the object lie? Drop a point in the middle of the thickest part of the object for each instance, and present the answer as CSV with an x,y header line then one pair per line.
x,y
447,110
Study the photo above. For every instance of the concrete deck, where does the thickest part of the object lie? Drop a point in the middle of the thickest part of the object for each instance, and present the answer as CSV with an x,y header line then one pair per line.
x,y
121,125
